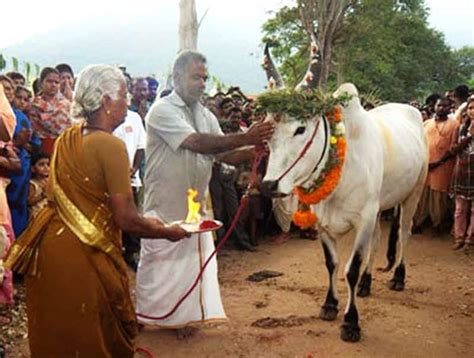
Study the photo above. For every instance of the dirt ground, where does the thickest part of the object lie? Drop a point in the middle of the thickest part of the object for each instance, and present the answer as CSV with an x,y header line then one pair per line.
x,y
433,317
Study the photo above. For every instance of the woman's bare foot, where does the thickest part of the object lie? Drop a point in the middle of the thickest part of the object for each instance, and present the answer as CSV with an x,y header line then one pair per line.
x,y
185,332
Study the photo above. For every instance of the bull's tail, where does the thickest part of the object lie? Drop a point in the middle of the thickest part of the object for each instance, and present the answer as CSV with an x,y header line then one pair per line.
x,y
393,239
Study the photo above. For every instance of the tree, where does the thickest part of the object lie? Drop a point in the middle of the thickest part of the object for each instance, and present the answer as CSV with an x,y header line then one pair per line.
x,y
380,45
188,25
322,18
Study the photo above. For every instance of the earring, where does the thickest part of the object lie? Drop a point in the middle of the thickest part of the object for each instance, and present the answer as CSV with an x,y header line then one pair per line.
x,y
107,112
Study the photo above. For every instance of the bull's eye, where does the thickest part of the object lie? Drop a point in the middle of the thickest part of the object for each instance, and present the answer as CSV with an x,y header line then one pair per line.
x,y
299,130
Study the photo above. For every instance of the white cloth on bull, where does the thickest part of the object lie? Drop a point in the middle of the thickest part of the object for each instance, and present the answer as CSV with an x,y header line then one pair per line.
x,y
283,209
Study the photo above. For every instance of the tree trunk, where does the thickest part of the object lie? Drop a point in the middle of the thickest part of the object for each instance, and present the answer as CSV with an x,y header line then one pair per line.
x,y
322,17
188,25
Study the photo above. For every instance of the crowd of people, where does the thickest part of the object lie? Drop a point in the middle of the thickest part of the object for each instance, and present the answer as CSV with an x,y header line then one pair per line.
x,y
96,165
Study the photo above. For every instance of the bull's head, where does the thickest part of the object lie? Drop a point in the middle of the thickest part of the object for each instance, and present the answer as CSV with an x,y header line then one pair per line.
x,y
297,147
300,145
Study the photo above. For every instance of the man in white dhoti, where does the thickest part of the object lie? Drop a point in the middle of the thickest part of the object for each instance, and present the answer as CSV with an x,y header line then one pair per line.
x,y
183,140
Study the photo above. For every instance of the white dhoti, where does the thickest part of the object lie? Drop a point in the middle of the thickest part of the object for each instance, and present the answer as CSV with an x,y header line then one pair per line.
x,y
166,272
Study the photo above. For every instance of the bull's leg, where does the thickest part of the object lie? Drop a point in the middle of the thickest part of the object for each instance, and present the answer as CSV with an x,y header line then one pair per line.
x,y
350,330
407,211
397,283
363,289
329,310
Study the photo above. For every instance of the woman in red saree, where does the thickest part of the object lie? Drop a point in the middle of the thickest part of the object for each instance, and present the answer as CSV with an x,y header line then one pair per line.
x,y
78,300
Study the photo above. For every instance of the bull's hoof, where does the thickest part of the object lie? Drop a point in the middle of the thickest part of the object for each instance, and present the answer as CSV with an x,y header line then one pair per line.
x,y
350,332
363,291
396,285
328,313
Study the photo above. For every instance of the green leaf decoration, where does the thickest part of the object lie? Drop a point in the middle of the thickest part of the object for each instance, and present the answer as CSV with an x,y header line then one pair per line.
x,y
299,105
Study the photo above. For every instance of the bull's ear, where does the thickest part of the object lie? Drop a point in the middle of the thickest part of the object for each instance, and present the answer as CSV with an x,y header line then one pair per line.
x,y
348,89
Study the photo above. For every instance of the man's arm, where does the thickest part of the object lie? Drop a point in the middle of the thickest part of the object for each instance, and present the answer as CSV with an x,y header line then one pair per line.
x,y
237,156
137,159
213,144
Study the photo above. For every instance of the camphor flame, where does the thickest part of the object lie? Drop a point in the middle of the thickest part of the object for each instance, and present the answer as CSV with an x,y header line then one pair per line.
x,y
193,208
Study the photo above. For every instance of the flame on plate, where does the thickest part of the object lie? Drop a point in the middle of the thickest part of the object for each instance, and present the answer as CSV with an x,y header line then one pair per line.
x,y
193,216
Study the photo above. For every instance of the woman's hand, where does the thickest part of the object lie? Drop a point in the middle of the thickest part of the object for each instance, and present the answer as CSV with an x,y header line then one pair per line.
x,y
175,233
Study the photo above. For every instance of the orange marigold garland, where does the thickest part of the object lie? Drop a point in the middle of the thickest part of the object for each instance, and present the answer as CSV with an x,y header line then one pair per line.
x,y
327,181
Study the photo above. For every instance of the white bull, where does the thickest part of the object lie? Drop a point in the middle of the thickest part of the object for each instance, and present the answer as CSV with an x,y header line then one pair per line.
x,y
385,166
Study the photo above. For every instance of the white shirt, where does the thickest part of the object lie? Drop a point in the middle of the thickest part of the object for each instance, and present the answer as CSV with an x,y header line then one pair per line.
x,y
132,132
171,170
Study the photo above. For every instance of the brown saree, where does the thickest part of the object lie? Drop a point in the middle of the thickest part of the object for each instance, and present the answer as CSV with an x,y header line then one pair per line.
x,y
78,300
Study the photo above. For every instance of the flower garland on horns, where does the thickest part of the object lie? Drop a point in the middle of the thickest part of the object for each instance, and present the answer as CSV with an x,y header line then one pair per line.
x,y
327,181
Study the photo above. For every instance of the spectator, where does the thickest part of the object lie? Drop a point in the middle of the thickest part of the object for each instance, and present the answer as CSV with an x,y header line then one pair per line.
x,y
66,78
430,102
152,89
434,203
23,140
463,182
18,78
139,101
9,163
132,133
225,105
37,199
36,85
22,99
460,95
54,109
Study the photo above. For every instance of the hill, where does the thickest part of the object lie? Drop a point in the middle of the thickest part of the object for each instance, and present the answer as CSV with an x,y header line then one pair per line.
x,y
148,44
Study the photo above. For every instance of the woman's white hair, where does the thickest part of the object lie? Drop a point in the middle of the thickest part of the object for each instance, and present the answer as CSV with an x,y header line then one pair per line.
x,y
93,83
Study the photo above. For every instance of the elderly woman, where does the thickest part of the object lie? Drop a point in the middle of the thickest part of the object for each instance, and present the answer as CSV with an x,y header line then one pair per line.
x,y
78,300
54,109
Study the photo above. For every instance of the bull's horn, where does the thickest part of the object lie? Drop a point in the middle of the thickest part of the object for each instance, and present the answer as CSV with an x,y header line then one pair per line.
x,y
273,77
310,80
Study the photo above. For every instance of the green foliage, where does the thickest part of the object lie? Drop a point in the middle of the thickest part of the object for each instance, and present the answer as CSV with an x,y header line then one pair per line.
x,y
299,105
15,66
15,63
3,62
217,85
464,57
289,43
382,45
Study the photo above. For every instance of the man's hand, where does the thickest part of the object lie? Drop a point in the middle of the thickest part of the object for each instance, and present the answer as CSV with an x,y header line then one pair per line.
x,y
66,90
260,132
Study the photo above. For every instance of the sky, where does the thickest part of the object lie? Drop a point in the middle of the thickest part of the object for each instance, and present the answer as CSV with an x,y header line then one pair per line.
x,y
452,17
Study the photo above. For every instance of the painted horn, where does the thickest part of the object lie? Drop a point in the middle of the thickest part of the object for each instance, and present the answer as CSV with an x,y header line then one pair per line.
x,y
310,80
274,79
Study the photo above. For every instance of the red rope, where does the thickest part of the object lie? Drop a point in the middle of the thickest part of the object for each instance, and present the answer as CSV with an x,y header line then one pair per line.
x,y
302,153
144,351
243,203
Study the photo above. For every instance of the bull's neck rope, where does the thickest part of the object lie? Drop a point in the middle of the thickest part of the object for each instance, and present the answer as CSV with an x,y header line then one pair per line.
x,y
321,187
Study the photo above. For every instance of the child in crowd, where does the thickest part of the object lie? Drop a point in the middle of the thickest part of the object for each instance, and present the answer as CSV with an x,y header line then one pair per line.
x,y
38,184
